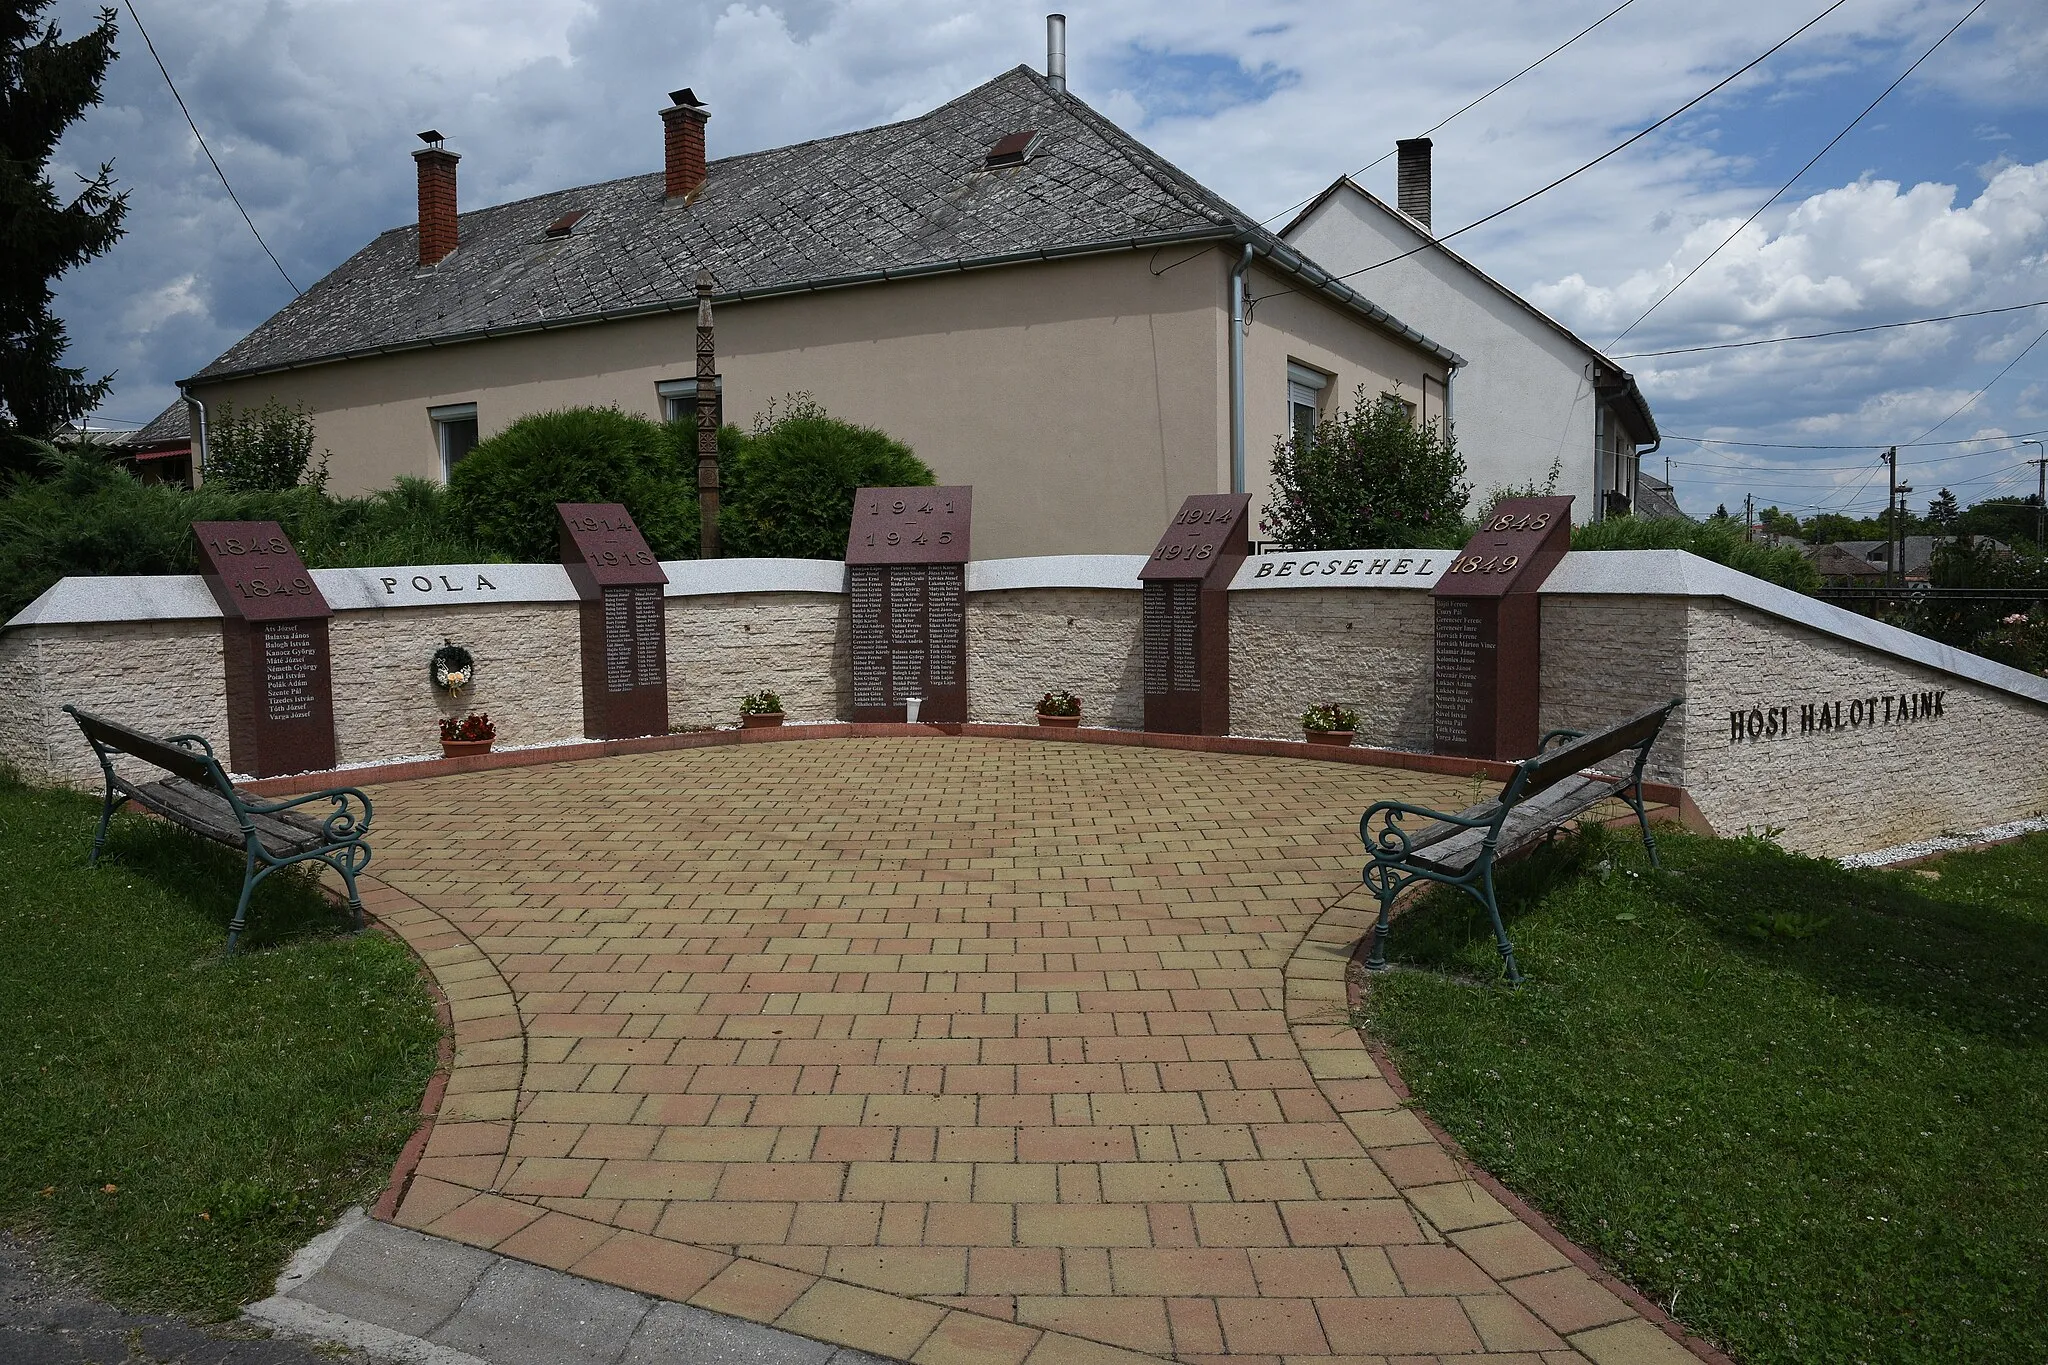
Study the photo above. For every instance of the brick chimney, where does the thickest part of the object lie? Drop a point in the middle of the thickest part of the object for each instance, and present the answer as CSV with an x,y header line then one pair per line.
x,y
437,198
1411,194
682,140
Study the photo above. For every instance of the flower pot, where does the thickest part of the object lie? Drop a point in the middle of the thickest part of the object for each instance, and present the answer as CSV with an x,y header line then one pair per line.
x,y
756,719
1339,738
462,748
1059,722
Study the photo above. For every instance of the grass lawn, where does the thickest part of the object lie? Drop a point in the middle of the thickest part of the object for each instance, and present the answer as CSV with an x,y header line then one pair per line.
x,y
1807,1106
175,1122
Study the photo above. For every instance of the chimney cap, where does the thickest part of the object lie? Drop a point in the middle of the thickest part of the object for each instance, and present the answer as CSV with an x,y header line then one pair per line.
x,y
1413,142
432,137
685,98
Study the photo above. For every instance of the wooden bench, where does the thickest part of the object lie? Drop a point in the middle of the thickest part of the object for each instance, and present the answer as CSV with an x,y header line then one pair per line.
x,y
198,796
1542,794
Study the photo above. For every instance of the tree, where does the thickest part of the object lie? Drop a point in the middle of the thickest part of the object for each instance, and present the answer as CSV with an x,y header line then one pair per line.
x,y
263,451
1369,477
46,84
1942,512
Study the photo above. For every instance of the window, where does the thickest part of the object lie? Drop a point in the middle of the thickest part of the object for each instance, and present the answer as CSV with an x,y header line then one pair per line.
x,y
679,400
454,434
1304,400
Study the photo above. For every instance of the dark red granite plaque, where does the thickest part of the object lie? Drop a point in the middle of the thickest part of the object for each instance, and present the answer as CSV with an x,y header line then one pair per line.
x,y
622,620
906,571
1186,622
274,648
1488,653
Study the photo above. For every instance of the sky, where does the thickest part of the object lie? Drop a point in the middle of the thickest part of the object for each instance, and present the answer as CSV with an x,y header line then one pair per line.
x,y
1936,204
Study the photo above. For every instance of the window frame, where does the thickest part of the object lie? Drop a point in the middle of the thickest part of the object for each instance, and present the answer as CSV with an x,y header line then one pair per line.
x,y
673,394
1306,387
446,417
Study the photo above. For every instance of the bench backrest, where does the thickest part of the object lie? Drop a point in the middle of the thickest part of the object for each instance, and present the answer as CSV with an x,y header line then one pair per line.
x,y
194,765
1638,732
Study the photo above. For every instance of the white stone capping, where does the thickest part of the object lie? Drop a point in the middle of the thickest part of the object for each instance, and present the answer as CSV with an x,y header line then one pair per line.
x,y
1055,571
711,577
124,597
1343,569
1677,573
443,585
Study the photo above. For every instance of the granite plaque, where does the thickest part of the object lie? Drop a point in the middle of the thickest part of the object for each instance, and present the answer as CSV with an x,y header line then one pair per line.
x,y
274,647
621,621
1488,649
906,569
1186,621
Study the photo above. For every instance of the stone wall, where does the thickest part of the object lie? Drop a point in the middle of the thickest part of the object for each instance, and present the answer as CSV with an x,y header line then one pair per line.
x,y
1368,648
1026,642
722,646
1977,761
528,676
1606,658
166,677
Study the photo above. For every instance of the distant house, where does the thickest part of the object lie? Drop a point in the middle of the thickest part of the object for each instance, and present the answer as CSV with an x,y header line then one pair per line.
x,y
1038,304
1840,568
1534,393
160,452
1916,555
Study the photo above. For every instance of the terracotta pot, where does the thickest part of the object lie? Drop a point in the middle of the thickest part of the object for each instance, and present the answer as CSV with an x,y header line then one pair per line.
x,y
755,720
1340,738
1059,722
462,748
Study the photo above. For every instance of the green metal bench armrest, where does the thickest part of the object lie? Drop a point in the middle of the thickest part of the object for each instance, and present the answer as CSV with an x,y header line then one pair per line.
x,y
1553,736
340,825
1392,843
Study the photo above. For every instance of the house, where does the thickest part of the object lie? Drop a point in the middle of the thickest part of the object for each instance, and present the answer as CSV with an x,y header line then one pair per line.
x,y
161,451
1916,553
1535,393
1036,303
1839,568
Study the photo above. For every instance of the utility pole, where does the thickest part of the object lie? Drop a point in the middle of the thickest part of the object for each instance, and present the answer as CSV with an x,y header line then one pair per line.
x,y
1891,500
1748,517
2040,497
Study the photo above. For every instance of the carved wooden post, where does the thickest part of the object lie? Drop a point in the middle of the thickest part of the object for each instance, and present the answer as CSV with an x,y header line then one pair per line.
x,y
707,422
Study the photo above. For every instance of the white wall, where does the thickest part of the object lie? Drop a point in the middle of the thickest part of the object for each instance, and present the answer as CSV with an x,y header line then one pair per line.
x,y
1524,399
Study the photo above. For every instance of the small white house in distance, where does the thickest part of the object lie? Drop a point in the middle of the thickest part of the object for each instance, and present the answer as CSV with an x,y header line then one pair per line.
x,y
1530,392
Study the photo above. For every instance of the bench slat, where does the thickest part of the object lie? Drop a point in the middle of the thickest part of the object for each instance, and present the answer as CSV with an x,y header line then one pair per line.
x,y
208,814
1529,821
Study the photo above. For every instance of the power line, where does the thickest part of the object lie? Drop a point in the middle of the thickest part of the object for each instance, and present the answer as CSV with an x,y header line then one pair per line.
x,y
204,148
1858,445
1972,399
1655,305
1488,95
1621,146
1838,332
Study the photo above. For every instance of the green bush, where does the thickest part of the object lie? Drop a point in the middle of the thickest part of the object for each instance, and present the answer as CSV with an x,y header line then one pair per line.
x,y
1716,540
504,492
264,450
88,517
1370,476
789,485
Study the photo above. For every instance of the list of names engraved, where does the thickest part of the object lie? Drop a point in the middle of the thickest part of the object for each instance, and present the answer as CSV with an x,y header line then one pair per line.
x,y
291,660
870,643
647,628
1158,630
944,615
618,640
1460,667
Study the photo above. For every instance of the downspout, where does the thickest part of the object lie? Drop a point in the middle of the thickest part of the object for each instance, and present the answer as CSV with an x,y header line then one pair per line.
x,y
200,448
1237,274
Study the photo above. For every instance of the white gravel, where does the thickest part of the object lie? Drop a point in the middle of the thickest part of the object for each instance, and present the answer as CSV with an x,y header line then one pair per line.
x,y
1946,843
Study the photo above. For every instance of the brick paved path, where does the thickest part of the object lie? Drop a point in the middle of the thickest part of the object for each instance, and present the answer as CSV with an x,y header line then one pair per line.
x,y
958,1050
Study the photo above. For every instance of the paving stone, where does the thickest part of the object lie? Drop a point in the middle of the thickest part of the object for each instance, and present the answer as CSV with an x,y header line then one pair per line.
x,y
674,1332
1054,1029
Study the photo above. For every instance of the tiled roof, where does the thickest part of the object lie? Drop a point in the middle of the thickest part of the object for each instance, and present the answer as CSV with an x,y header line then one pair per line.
x,y
902,198
174,423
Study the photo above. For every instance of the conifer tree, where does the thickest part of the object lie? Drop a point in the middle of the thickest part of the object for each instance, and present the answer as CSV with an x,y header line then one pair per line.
x,y
46,84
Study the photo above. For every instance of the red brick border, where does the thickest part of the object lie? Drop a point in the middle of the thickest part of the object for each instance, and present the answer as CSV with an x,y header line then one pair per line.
x,y
1645,1307
1659,793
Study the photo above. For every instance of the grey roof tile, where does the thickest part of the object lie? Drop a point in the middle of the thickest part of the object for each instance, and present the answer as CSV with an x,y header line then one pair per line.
x,y
902,196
